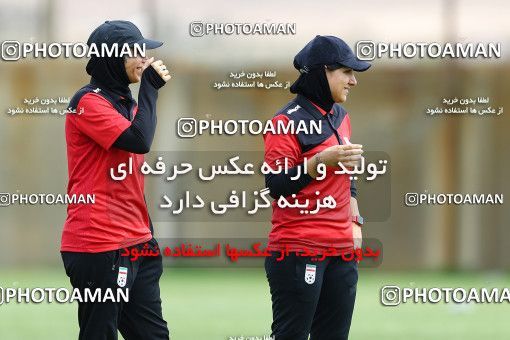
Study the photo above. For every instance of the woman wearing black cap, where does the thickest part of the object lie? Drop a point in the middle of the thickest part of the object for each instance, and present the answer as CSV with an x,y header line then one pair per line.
x,y
310,297
108,131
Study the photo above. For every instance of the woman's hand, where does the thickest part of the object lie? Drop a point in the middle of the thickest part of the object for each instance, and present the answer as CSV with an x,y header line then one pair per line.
x,y
357,236
161,69
348,154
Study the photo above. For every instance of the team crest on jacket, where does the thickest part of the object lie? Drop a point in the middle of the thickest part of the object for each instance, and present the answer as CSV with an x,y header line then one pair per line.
x,y
310,271
290,111
122,278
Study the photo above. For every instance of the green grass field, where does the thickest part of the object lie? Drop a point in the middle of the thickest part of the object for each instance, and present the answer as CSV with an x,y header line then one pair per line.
x,y
218,303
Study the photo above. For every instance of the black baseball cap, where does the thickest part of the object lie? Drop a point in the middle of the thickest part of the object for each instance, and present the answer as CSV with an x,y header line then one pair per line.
x,y
328,50
120,32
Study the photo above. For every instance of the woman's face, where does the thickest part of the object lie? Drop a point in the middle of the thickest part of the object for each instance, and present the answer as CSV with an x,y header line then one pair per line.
x,y
134,68
340,81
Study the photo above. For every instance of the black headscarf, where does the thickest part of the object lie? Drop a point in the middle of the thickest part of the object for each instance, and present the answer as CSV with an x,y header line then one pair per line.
x,y
110,72
314,86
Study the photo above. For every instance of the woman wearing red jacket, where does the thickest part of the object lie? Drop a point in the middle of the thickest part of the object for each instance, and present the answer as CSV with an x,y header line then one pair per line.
x,y
311,297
